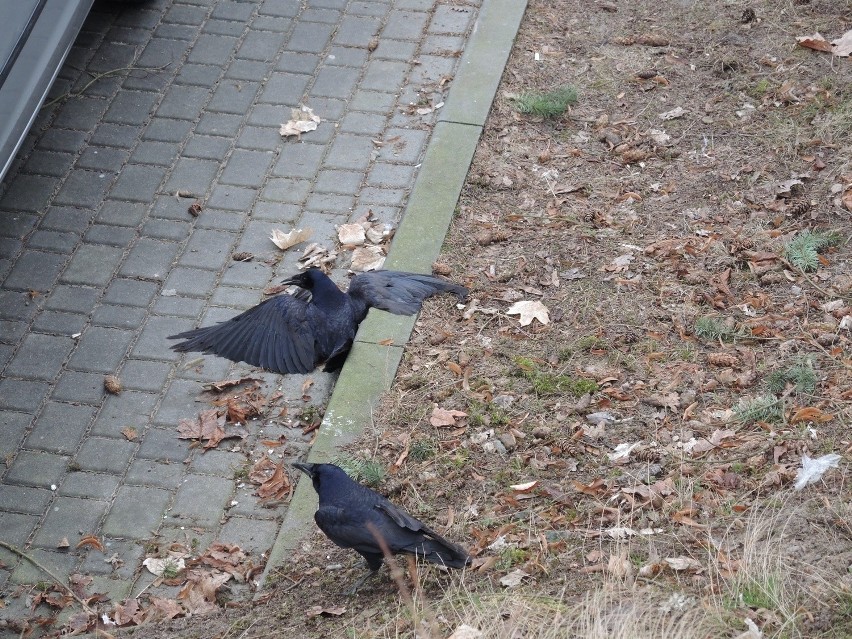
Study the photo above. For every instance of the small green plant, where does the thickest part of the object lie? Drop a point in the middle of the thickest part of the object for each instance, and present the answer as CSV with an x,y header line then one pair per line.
x,y
423,449
711,328
802,376
546,104
550,384
760,409
761,88
803,250
363,470
591,343
311,414
511,557
170,570
761,594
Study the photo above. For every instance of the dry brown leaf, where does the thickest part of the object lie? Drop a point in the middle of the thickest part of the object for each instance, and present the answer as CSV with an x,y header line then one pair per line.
x,y
815,42
332,611
63,543
443,417
129,433
810,414
91,540
680,564
277,487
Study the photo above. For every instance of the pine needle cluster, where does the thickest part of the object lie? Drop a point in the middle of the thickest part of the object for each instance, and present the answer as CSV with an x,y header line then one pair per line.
x,y
802,376
803,250
549,104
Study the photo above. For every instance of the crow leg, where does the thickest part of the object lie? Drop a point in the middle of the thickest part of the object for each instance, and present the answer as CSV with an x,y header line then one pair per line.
x,y
360,581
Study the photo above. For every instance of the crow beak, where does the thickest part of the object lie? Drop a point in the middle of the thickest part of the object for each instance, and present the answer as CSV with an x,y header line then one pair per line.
x,y
295,280
306,468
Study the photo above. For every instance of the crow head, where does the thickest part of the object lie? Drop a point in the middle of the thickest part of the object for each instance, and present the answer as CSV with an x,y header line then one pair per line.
x,y
306,279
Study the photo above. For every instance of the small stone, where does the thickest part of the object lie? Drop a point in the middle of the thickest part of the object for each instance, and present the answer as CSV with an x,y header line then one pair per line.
x,y
503,401
540,432
508,440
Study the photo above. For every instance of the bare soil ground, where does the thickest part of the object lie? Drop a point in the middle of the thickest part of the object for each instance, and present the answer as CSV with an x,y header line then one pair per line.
x,y
627,469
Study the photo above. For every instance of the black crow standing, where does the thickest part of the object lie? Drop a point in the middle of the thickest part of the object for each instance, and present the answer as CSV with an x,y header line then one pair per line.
x,y
353,516
295,333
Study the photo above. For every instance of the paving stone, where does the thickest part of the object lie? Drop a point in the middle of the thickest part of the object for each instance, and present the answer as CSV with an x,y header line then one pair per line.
x,y
121,213
89,485
105,455
240,298
56,562
49,163
331,16
153,342
118,316
278,211
13,425
333,181
200,501
114,581
279,8
405,25
212,49
130,408
18,224
102,158
69,518
247,70
162,445
17,528
335,82
28,193
261,45
12,331
382,196
191,175
221,463
100,350
224,124
431,69
131,107
270,116
73,299
148,472
161,52
208,249
59,323
237,11
284,89
175,32
384,75
76,386
179,306
234,198
207,147
443,45
83,189
310,37
83,113
450,19
224,220
136,512
252,535
407,148
163,129
166,229
54,241
350,152
247,274
154,152
357,31
183,14
119,135
246,168
17,305
190,282
40,356
296,62
130,292
299,159
137,183
224,27
203,75
32,468
93,265
120,236
59,140
396,49
60,427
391,175
149,258
23,499
35,271
347,56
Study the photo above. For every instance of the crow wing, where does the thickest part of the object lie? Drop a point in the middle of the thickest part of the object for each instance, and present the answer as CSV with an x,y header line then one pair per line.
x,y
399,292
283,334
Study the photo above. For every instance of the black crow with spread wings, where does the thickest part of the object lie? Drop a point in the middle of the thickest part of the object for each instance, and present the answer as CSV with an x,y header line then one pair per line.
x,y
295,333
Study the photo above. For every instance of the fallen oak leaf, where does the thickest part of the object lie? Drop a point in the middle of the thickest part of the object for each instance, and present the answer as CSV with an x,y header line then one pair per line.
x,y
443,417
530,310
815,42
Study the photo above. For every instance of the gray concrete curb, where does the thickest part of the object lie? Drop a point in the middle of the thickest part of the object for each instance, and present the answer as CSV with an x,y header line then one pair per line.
x,y
370,368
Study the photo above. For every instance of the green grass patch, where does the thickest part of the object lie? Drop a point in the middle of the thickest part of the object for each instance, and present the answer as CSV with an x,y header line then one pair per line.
x,y
366,471
546,104
712,329
802,376
544,383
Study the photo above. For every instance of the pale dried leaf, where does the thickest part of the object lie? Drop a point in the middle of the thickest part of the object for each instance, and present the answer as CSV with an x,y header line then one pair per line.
x,y
680,564
443,417
465,632
677,112
513,579
351,234
158,565
285,240
303,120
530,310
843,45
367,258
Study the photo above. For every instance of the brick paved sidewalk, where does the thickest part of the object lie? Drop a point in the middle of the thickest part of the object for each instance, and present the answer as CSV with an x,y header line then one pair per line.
x,y
100,258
